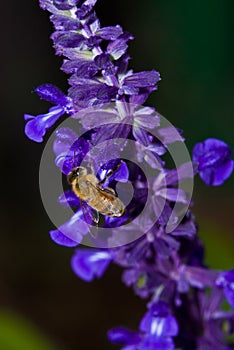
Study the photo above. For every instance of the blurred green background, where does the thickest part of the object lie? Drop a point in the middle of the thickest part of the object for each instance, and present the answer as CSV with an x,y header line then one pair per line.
x,y
191,44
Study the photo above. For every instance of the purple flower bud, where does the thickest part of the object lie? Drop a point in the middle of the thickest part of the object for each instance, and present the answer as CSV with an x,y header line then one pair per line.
x,y
142,79
117,48
64,4
51,94
212,158
67,39
110,33
65,23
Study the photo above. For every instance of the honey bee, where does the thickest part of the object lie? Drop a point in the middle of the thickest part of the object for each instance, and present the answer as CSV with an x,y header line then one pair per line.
x,y
89,189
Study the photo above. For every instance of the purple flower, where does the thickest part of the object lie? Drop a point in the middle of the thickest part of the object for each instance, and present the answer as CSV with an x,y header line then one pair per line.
x,y
90,263
98,75
226,281
156,331
71,233
213,162
123,336
36,127
105,97
85,93
158,322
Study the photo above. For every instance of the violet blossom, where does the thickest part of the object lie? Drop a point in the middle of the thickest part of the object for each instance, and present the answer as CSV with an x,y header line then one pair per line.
x,y
184,296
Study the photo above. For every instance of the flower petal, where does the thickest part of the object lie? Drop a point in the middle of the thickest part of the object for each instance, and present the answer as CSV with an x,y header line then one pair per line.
x,y
103,61
209,152
69,156
65,23
141,135
59,238
147,121
158,322
85,11
90,263
51,94
36,128
163,343
121,174
185,229
91,94
64,4
87,70
90,3
169,135
65,162
74,229
182,172
142,79
117,48
216,177
69,199
65,138
121,335
67,39
97,119
110,33
103,154
153,159
173,194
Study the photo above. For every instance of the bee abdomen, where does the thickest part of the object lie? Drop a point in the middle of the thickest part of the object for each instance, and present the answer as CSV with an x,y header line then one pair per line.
x,y
114,209
99,204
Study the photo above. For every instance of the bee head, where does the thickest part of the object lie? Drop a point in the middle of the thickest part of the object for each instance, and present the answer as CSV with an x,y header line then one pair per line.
x,y
76,172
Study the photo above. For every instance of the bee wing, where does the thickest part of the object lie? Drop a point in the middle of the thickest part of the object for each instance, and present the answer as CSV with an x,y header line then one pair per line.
x,y
108,190
91,216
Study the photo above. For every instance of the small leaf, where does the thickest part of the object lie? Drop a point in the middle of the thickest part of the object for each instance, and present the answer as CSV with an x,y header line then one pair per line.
x,y
18,334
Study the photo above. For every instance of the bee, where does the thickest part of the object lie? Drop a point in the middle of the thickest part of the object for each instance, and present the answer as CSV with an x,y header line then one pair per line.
x,y
89,189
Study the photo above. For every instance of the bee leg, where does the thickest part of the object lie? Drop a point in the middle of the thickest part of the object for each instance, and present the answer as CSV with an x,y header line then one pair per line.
x,y
111,172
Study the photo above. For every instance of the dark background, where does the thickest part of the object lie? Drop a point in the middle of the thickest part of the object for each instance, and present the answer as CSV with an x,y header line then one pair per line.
x,y
191,44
